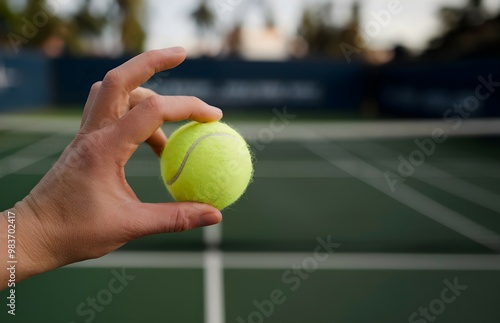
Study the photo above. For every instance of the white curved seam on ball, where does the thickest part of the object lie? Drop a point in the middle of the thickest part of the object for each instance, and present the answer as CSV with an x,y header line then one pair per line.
x,y
190,150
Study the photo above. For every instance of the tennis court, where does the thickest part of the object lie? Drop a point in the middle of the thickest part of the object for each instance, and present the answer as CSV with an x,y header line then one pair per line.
x,y
330,230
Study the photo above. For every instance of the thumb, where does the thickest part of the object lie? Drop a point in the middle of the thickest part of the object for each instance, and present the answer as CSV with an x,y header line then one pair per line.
x,y
174,217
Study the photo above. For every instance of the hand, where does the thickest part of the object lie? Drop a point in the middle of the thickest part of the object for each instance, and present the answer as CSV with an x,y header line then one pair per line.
x,y
83,208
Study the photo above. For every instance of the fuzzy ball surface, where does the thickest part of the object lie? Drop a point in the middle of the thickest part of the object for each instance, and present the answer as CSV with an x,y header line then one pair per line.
x,y
206,163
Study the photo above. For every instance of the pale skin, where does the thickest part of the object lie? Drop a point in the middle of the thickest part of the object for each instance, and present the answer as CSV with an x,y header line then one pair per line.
x,y
83,207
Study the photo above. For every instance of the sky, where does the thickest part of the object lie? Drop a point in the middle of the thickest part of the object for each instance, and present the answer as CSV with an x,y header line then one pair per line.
x,y
168,22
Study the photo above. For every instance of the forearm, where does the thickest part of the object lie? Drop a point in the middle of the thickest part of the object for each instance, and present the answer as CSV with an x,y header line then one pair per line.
x,y
18,249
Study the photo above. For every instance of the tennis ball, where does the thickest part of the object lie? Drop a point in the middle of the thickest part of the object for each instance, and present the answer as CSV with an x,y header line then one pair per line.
x,y
207,163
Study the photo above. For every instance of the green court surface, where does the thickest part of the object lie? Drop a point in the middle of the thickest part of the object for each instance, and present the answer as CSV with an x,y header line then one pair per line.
x,y
320,236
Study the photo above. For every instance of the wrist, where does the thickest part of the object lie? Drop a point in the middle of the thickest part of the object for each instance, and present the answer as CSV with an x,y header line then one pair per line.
x,y
22,233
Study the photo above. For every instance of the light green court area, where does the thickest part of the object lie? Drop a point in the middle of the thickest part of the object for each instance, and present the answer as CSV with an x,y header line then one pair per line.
x,y
397,243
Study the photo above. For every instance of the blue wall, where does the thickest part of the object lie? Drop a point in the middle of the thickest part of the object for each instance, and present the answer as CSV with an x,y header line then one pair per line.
x,y
405,89
232,84
430,89
24,81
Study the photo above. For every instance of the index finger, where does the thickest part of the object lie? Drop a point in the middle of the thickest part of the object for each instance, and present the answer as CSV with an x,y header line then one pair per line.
x,y
135,72
112,99
143,120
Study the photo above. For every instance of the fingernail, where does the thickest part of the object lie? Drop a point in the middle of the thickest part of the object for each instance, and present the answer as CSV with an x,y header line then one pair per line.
x,y
209,219
176,49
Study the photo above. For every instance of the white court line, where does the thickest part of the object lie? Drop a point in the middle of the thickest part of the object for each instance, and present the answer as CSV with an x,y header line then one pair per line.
x,y
26,156
453,185
297,130
150,168
144,259
463,189
285,260
213,275
409,196
365,261
308,169
36,124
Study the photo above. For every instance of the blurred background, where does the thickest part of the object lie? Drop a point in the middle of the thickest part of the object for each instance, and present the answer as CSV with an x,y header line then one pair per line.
x,y
374,124
350,56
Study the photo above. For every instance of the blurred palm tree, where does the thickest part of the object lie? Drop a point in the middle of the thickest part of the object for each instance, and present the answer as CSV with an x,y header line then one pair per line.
x,y
22,28
133,35
317,29
6,20
204,18
83,27
78,32
467,33
324,39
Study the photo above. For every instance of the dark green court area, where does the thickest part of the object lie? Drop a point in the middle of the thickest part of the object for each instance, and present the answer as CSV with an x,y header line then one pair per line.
x,y
302,191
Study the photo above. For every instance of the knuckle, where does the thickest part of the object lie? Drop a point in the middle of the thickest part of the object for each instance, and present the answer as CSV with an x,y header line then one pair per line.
x,y
181,220
96,86
155,103
112,77
151,55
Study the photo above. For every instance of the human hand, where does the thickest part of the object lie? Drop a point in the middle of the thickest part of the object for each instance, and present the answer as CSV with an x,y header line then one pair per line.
x,y
83,208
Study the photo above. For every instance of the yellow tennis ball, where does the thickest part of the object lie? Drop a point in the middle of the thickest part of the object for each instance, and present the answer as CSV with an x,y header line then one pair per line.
x,y
207,163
